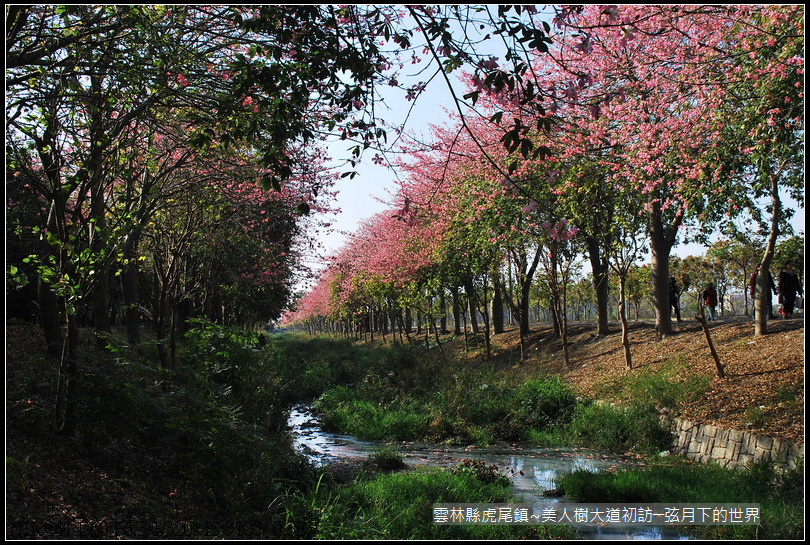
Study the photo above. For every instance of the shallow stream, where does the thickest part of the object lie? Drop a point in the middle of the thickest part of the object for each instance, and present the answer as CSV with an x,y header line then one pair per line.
x,y
531,470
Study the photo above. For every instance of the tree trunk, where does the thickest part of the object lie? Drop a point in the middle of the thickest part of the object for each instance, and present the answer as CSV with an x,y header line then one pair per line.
x,y
69,376
129,289
100,293
662,238
443,311
99,243
487,323
525,295
718,366
497,305
600,269
456,311
628,360
470,291
49,318
763,285
555,299
162,321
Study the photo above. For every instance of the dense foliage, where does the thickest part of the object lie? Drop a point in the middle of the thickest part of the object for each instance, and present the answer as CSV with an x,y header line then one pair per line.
x,y
649,137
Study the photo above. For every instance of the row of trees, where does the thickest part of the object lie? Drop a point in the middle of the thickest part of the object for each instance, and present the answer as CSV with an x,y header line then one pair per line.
x,y
142,145
728,264
139,140
660,124
119,118
135,143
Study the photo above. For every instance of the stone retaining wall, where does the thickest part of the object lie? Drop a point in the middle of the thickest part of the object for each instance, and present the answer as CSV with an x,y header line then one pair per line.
x,y
730,448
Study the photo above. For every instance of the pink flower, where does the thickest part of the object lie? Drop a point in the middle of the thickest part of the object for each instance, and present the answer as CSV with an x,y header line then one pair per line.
x,y
490,64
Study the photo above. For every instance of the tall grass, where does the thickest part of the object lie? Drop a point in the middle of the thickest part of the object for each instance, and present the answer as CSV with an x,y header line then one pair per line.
x,y
779,493
541,411
400,506
616,428
412,394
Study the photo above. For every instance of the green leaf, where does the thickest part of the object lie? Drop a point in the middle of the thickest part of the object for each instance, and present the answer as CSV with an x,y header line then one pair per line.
x,y
270,182
525,147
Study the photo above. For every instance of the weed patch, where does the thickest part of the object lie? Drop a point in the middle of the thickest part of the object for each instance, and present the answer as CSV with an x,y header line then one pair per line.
x,y
664,387
400,506
780,493
618,429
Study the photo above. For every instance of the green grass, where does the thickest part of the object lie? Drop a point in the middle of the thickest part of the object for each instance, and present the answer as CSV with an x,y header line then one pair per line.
x,y
387,459
636,427
665,385
401,399
400,506
779,493
482,404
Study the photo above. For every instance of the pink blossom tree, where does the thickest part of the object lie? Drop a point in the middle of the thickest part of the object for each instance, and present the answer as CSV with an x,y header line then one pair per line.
x,y
653,81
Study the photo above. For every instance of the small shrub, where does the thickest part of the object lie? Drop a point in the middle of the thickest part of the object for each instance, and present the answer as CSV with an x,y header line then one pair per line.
x,y
619,429
387,459
542,404
787,393
481,471
754,415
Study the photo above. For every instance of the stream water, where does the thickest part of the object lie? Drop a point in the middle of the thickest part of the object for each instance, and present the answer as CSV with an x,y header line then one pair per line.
x,y
532,471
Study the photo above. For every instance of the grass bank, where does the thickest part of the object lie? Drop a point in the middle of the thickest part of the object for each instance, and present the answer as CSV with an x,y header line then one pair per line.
x,y
407,393
779,493
413,394
205,440
400,506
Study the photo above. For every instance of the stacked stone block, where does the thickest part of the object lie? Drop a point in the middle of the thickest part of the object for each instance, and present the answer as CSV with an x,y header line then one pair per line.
x,y
730,448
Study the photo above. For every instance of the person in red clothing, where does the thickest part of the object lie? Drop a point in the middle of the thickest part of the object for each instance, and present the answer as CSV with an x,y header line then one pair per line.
x,y
709,296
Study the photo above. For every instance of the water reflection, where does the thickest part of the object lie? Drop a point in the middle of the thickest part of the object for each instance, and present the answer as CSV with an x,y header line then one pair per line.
x,y
533,472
